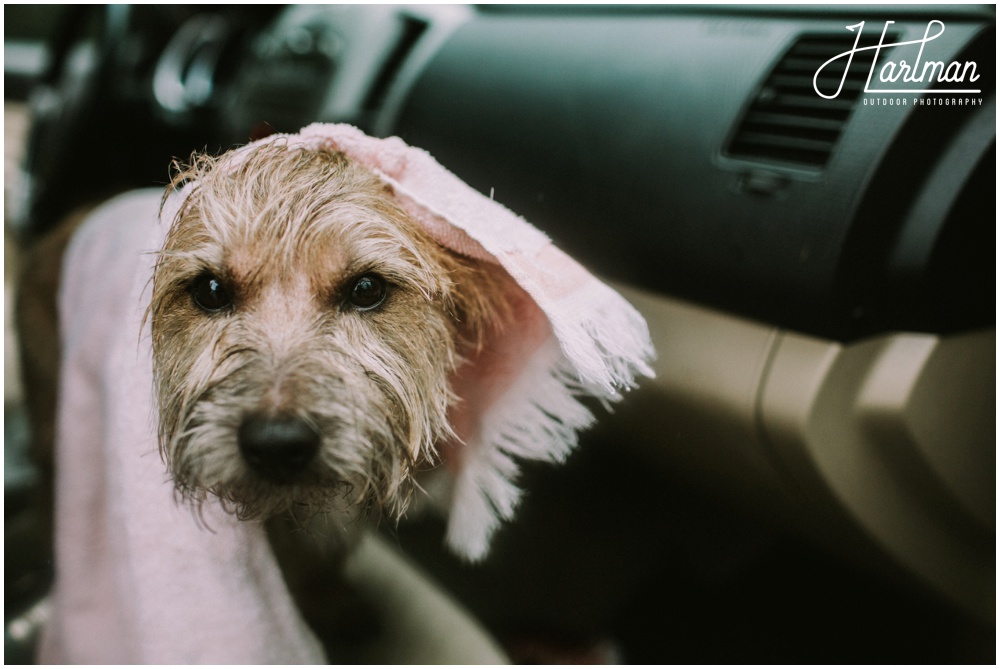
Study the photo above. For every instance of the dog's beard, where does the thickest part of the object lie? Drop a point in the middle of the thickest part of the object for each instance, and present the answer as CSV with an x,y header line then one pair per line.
x,y
367,426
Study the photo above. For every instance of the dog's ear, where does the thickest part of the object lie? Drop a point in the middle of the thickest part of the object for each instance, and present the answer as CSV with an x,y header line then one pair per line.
x,y
480,298
504,342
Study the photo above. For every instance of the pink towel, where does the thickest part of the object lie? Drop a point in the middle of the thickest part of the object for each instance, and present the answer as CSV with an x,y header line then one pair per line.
x,y
139,578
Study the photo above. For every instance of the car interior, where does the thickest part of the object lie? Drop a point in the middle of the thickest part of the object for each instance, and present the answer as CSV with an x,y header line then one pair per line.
x,y
810,476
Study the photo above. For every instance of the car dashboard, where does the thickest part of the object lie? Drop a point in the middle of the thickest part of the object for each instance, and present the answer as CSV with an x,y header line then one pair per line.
x,y
815,262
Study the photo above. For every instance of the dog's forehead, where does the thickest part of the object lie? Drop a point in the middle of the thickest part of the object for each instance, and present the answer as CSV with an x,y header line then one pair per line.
x,y
326,240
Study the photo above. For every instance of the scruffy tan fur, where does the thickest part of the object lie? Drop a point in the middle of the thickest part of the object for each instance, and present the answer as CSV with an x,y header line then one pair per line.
x,y
287,232
285,238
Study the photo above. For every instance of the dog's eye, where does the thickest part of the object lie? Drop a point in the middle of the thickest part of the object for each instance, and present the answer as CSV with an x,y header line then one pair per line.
x,y
368,292
209,293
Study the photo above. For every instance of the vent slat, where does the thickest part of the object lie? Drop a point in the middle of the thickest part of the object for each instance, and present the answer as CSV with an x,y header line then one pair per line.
x,y
825,82
858,65
776,140
793,120
828,48
809,100
787,121
790,155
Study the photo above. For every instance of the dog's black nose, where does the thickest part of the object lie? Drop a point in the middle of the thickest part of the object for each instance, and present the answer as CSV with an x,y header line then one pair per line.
x,y
277,446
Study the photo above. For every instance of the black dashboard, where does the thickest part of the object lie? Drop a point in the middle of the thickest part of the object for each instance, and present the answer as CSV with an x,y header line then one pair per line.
x,y
680,149
679,153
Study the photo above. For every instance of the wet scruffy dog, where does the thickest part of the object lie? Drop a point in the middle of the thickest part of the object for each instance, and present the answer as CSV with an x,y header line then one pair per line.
x,y
304,333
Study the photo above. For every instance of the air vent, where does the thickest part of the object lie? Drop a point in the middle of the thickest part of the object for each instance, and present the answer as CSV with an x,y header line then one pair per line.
x,y
787,122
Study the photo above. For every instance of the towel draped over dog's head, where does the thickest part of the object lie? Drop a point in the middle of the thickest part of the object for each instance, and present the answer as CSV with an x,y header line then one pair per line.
x,y
519,395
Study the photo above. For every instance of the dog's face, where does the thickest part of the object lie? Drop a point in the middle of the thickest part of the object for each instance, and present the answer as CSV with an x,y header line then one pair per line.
x,y
304,333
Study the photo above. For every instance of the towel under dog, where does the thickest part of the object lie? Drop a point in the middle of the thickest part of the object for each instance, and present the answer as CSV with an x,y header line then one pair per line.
x,y
139,577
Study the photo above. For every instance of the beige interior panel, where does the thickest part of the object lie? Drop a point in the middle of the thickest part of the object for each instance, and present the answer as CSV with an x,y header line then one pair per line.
x,y
884,447
892,435
697,418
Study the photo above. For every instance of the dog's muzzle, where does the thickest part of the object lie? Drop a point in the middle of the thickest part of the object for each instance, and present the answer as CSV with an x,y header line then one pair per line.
x,y
278,447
